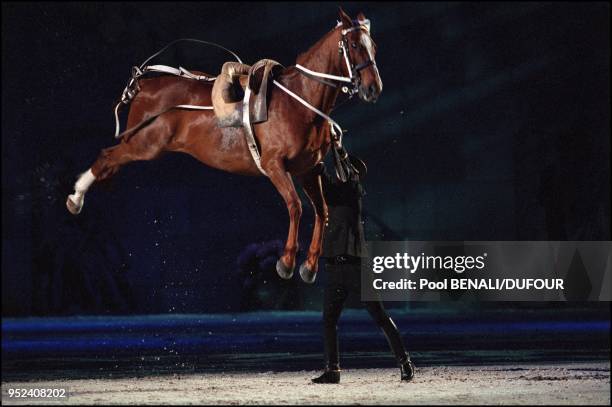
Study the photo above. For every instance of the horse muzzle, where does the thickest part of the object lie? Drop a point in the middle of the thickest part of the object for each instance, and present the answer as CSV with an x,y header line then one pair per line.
x,y
369,93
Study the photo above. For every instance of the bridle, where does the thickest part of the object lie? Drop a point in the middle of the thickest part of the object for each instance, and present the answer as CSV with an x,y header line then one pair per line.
x,y
353,70
354,75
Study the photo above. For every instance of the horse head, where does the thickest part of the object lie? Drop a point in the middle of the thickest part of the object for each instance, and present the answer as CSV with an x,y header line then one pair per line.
x,y
359,51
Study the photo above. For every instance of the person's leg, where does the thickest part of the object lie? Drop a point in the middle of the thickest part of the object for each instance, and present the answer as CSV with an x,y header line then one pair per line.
x,y
379,315
334,297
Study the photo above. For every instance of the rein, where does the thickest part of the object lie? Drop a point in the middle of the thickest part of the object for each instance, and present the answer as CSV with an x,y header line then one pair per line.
x,y
189,40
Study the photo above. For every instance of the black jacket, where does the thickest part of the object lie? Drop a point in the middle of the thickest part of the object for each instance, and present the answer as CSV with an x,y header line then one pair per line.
x,y
344,234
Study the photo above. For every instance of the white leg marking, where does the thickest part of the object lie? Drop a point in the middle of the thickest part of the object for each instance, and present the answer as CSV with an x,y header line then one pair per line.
x,y
81,186
84,181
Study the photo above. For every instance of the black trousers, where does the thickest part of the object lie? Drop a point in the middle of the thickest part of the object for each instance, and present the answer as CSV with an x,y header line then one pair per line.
x,y
342,280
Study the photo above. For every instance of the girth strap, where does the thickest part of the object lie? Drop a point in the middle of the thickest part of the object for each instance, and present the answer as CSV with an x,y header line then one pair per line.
x,y
248,130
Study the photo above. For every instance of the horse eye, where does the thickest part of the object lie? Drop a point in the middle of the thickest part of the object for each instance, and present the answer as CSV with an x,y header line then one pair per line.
x,y
354,45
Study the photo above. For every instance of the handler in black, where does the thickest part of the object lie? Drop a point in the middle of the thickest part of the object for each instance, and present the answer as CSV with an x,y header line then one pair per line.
x,y
343,247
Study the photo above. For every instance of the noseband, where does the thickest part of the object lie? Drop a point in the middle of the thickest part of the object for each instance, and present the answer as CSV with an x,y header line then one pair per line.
x,y
354,78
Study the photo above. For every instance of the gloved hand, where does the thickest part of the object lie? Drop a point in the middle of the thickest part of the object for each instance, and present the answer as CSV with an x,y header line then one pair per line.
x,y
342,152
318,168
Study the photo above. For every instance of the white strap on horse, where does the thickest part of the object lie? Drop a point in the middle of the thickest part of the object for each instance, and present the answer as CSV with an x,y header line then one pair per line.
x,y
248,130
178,72
323,75
335,128
193,107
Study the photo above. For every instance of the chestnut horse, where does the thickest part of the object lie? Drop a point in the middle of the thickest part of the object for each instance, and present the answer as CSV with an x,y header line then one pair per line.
x,y
292,141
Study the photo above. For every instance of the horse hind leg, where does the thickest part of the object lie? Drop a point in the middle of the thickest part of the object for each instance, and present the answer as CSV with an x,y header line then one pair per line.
x,y
146,145
104,167
107,164
75,201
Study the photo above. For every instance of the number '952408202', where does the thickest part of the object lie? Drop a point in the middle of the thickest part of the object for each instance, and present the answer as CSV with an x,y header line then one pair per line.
x,y
35,393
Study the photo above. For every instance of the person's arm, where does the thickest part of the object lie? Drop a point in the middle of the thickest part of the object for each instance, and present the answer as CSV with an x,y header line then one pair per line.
x,y
326,179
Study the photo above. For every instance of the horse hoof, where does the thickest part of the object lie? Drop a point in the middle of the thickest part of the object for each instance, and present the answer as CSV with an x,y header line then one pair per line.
x,y
307,274
283,271
73,208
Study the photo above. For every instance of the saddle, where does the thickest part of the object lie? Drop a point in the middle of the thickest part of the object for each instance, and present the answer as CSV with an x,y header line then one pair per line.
x,y
230,86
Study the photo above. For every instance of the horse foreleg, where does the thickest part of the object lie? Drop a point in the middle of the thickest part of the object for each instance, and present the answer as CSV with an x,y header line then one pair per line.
x,y
147,145
314,190
284,184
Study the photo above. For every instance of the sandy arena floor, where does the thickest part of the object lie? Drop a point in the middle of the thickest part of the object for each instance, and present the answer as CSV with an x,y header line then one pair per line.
x,y
578,383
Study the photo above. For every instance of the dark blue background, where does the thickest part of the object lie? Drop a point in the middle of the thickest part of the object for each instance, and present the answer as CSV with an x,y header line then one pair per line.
x,y
494,124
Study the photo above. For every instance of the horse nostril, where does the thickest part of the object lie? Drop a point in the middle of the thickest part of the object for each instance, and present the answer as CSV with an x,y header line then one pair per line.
x,y
372,90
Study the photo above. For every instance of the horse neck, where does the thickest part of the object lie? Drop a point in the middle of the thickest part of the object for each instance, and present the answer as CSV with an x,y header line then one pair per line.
x,y
321,57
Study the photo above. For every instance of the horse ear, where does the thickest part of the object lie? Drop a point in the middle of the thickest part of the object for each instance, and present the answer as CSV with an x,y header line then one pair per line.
x,y
363,20
344,18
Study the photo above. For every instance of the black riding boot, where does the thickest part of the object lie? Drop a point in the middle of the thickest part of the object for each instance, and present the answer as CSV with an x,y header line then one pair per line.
x,y
328,377
407,369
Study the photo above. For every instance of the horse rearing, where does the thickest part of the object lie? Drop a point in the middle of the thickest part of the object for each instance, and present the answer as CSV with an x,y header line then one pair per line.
x,y
292,141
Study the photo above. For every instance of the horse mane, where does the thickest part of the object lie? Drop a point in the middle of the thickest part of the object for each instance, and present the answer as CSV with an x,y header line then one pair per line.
x,y
301,56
